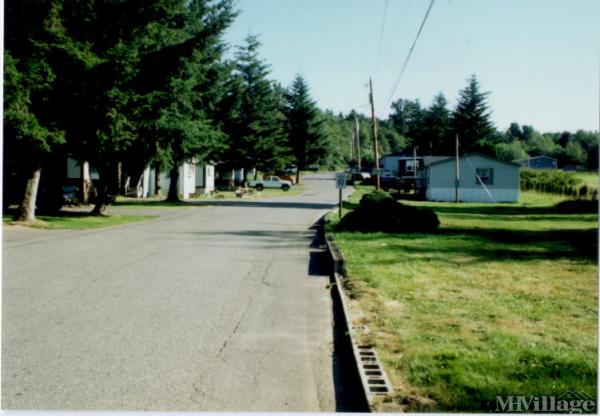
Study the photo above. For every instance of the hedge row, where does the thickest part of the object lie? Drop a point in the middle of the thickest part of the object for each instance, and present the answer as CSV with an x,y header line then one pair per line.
x,y
556,182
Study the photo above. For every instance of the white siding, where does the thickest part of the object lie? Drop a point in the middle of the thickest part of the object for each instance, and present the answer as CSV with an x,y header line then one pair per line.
x,y
187,179
239,175
147,183
209,179
73,169
163,182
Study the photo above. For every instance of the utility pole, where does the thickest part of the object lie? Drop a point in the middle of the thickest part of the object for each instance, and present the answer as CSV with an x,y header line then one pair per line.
x,y
374,127
352,141
357,141
457,179
415,161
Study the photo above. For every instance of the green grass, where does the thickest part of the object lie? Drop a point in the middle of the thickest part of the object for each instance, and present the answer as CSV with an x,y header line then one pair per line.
x,y
590,179
152,202
79,222
160,203
501,301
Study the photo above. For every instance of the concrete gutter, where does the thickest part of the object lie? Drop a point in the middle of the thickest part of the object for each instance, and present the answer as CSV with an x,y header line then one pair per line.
x,y
375,383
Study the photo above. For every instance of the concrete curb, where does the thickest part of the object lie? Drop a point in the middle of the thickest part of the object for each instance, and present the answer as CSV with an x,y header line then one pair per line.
x,y
374,380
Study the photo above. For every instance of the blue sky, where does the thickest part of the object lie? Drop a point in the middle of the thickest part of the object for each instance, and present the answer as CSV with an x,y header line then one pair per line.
x,y
538,58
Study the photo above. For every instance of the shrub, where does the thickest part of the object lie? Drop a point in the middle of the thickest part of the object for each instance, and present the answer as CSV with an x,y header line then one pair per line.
x,y
579,206
550,181
378,211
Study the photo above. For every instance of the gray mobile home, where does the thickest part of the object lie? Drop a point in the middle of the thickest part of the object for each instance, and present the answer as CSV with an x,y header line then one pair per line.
x,y
401,164
482,179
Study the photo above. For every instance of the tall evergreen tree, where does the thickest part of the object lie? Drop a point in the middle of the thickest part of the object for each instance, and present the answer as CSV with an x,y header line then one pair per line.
x,y
436,127
303,126
188,124
30,133
471,118
151,63
255,135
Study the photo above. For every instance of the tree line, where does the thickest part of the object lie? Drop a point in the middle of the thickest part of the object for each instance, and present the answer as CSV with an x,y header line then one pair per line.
x,y
128,84
432,130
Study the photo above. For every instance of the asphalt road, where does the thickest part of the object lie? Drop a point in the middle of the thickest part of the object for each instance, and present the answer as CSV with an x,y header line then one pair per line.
x,y
216,308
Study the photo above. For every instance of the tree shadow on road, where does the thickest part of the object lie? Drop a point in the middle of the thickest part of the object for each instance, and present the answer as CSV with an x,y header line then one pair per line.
x,y
349,394
227,203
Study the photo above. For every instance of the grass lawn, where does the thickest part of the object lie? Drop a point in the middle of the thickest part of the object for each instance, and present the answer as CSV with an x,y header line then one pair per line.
x,y
590,179
501,301
159,202
79,222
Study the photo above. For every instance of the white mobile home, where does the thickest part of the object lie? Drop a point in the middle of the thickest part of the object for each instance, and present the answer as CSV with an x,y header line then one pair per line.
x,y
482,179
193,178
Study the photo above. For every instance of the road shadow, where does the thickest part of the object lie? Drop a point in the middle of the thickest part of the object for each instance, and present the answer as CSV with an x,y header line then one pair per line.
x,y
453,245
318,264
228,203
349,394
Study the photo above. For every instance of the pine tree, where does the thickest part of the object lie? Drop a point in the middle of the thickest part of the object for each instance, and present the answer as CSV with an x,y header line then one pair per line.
x,y
30,134
471,118
255,134
152,64
436,125
303,126
188,122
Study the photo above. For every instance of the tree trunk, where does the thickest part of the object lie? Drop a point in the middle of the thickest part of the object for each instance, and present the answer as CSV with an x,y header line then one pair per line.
x,y
108,187
121,179
244,178
174,175
27,208
101,196
85,182
232,180
298,175
156,181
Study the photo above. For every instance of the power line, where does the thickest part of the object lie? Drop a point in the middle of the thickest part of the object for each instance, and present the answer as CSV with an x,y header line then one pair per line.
x,y
410,52
399,24
359,106
381,36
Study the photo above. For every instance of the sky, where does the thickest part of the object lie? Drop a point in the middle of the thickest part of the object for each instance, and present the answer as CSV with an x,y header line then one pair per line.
x,y
539,59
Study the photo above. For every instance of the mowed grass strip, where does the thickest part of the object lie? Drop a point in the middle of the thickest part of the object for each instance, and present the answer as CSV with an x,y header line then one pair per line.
x,y
502,301
590,179
79,222
160,203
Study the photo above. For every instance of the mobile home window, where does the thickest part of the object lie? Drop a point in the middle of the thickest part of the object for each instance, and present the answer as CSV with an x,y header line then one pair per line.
x,y
484,176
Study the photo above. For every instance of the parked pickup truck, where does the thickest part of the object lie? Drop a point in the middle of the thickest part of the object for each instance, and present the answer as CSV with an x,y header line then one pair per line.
x,y
270,182
282,176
